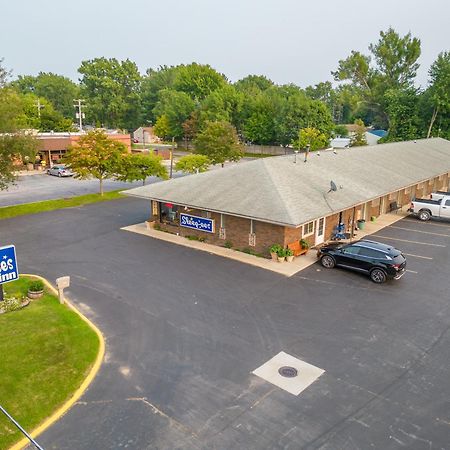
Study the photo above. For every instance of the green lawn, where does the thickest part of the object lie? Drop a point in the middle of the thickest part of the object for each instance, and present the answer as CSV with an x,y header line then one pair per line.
x,y
46,351
49,205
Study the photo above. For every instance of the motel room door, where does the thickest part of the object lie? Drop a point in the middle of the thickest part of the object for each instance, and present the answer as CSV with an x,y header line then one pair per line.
x,y
320,230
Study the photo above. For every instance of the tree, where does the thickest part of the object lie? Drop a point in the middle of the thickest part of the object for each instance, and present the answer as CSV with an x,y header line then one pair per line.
x,y
359,138
153,82
311,137
401,108
439,89
219,142
162,128
44,119
138,167
58,90
177,107
96,156
14,145
193,164
392,66
198,80
253,83
112,92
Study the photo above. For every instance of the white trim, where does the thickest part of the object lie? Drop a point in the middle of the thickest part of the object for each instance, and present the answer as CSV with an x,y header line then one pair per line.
x,y
313,229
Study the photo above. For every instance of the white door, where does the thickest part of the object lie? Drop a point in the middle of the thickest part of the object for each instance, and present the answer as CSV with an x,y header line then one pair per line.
x,y
320,230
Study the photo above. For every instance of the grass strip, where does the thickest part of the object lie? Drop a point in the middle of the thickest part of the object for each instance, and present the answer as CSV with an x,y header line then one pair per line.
x,y
46,352
7,212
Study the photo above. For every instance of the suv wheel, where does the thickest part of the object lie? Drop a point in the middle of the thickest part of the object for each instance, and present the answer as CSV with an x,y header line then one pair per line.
x,y
378,276
424,215
328,261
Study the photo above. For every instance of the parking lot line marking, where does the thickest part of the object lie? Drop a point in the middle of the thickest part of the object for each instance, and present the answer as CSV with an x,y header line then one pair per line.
x,y
428,224
411,271
406,240
417,256
420,231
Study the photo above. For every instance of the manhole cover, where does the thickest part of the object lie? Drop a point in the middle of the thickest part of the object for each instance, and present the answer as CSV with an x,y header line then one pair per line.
x,y
288,371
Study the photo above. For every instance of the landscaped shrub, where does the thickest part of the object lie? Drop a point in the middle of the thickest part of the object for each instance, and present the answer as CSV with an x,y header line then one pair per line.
x,y
36,286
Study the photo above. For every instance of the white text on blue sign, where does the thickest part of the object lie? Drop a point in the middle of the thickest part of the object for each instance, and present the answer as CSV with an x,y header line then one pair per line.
x,y
197,223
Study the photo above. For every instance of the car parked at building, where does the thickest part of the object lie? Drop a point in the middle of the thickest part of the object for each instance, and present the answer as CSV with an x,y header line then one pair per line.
x,y
380,261
425,208
60,170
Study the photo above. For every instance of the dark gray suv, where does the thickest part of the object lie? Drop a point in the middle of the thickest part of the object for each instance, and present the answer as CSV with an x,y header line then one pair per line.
x,y
379,261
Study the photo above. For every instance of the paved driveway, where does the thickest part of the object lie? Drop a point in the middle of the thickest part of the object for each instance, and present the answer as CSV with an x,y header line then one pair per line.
x,y
185,329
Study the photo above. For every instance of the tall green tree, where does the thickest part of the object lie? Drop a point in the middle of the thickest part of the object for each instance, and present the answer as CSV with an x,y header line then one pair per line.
x,y
391,66
439,88
112,90
138,167
42,116
219,142
14,144
177,108
96,156
155,81
198,80
60,91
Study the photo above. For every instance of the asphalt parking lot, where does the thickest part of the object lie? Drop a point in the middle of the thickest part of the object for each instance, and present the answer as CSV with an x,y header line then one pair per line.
x,y
184,331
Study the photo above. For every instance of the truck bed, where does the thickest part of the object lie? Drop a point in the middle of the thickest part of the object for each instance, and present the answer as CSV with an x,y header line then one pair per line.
x,y
427,200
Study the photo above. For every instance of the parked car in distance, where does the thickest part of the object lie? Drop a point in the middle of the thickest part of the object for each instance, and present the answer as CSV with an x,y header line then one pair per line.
x,y
380,261
425,208
60,170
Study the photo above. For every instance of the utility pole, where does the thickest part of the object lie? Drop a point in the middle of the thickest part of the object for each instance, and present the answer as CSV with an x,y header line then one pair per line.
x,y
80,114
39,107
171,157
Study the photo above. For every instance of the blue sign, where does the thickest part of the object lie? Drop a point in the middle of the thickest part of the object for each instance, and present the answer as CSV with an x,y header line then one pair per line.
x,y
197,223
8,264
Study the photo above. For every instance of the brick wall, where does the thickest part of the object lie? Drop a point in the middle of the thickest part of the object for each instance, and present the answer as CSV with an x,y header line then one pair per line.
x,y
237,230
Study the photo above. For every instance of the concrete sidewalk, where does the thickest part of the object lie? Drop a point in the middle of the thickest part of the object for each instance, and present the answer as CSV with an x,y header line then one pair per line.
x,y
285,268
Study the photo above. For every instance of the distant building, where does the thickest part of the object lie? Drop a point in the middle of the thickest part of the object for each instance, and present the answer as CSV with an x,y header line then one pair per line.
x,y
145,135
53,146
340,142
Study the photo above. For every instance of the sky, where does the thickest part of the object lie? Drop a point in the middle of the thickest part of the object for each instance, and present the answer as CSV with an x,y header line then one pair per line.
x,y
289,41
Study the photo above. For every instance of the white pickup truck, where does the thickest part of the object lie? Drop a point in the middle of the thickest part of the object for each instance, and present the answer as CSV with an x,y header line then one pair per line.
x,y
426,208
438,195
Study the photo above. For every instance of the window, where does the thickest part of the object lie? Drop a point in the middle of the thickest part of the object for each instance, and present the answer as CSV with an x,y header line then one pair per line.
x,y
169,213
351,250
308,229
447,202
370,253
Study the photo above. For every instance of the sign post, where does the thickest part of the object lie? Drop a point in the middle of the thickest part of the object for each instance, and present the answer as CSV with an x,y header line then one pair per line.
x,y
8,266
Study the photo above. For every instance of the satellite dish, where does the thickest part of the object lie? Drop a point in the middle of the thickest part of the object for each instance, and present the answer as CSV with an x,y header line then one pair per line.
x,y
333,186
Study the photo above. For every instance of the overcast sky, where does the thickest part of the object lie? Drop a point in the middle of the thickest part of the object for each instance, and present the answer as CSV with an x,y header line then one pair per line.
x,y
297,41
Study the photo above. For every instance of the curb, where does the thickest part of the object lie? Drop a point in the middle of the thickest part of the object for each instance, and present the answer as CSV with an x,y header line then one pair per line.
x,y
84,385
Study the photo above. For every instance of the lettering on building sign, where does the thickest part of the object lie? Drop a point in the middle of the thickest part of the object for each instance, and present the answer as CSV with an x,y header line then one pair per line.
x,y
154,208
252,239
197,223
8,264
222,233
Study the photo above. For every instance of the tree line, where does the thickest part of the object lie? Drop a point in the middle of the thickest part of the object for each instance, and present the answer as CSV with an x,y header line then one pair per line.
x,y
377,87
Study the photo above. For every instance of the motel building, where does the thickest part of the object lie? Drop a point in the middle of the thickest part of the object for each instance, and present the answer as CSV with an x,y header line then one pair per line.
x,y
282,199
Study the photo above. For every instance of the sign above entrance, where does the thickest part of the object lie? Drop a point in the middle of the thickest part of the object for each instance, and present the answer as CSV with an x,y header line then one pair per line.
x,y
197,223
8,264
